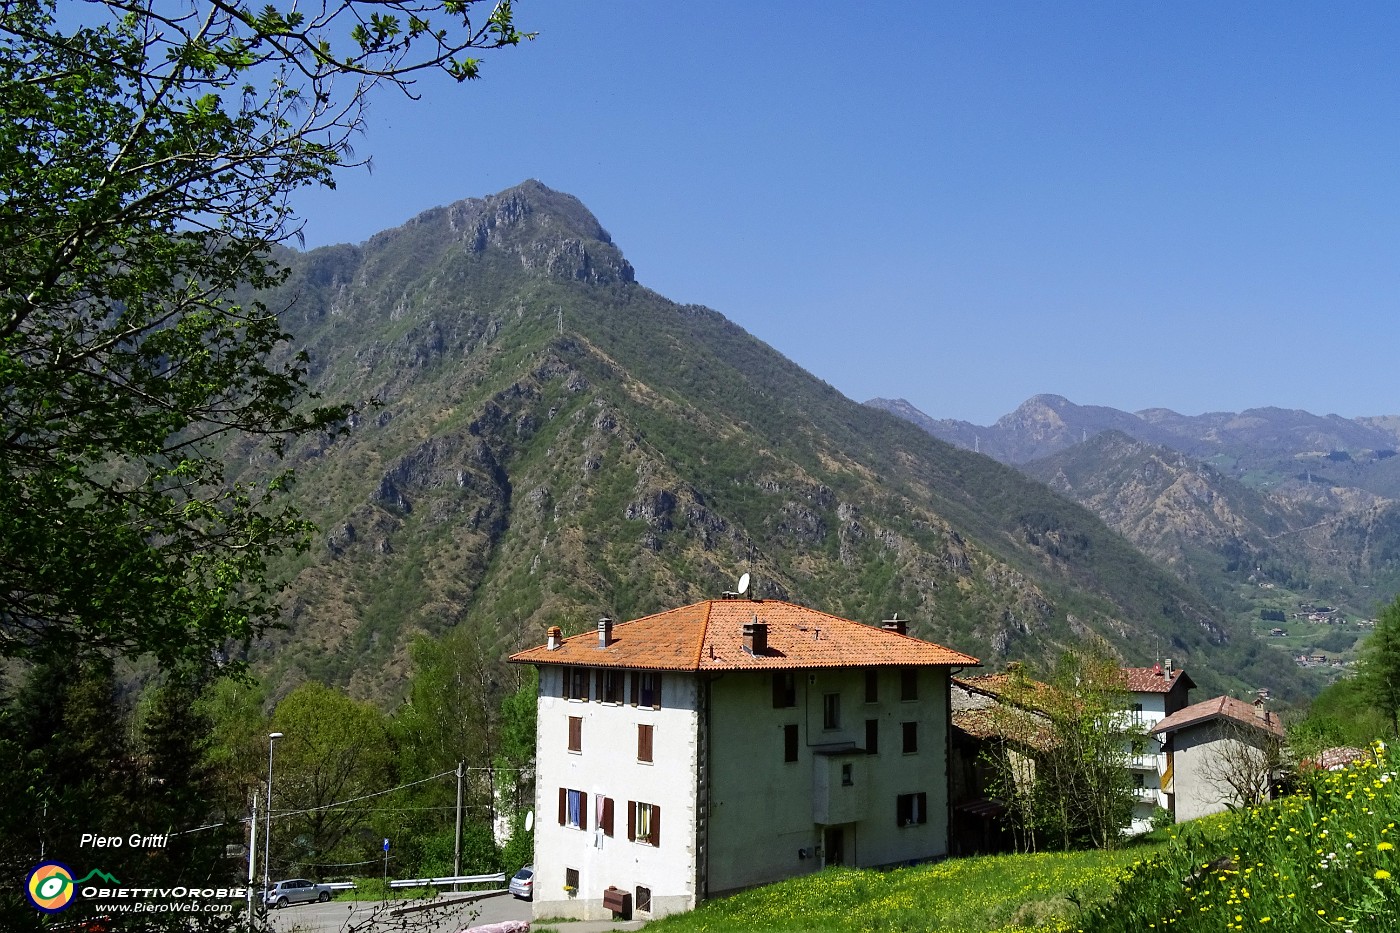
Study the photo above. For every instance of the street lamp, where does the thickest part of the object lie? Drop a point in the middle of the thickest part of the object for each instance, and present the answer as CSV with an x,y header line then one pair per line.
x,y
267,839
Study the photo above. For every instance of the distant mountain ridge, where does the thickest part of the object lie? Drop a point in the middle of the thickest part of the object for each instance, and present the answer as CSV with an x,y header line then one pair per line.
x,y
1046,424
1270,495
551,441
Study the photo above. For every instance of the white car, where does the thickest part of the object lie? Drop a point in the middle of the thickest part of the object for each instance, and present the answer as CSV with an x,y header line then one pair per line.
x,y
523,884
296,891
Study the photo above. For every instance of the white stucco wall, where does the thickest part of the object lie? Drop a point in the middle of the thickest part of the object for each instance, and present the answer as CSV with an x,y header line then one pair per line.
x,y
1150,763
761,816
607,765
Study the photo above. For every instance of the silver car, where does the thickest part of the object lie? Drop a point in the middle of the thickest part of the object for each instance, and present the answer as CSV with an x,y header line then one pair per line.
x,y
295,891
523,884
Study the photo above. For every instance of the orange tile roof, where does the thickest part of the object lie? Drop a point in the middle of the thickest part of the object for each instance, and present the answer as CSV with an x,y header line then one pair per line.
x,y
1220,707
1153,679
708,636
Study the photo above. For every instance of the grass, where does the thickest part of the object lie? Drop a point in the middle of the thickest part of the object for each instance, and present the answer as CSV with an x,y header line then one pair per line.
x,y
1002,893
1325,859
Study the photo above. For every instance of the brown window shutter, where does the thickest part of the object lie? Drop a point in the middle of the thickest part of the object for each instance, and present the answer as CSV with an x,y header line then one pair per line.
x,y
655,825
575,733
607,816
643,742
631,820
582,810
636,687
584,680
563,805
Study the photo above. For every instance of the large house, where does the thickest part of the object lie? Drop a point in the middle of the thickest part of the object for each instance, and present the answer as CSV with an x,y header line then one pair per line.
x,y
1158,692
732,743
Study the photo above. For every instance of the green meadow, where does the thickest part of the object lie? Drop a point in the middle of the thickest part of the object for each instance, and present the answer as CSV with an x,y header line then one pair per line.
x,y
1323,859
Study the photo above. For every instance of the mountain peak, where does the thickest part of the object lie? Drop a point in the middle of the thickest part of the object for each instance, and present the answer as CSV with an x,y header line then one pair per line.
x,y
547,230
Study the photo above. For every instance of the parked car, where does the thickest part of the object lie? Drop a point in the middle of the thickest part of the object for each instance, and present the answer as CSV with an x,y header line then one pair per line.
x,y
523,884
295,891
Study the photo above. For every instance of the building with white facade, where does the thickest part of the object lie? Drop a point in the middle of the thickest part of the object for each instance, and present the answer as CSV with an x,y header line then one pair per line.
x,y
732,743
1157,692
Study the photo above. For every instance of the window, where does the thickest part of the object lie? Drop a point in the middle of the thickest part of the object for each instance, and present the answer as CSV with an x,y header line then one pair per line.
x,y
646,689
1138,781
790,742
575,733
605,816
831,711
911,737
576,683
642,901
644,742
570,880
911,809
872,736
847,775
872,685
784,690
1137,707
644,823
610,686
909,683
573,808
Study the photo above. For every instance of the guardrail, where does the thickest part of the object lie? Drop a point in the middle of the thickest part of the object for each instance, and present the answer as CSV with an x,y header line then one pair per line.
x,y
498,878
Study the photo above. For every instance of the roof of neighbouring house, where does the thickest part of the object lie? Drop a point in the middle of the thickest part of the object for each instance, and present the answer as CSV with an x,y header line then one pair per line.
x,y
1333,759
1221,707
1155,680
1012,687
1011,723
709,636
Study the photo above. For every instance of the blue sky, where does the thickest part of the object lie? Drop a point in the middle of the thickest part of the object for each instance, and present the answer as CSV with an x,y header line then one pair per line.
x,y
1186,205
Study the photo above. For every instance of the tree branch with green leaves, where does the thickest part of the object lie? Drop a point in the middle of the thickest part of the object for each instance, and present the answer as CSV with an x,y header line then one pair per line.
x,y
149,150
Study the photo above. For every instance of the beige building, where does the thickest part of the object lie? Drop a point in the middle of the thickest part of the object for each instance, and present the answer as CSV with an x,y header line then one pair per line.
x,y
1220,753
732,743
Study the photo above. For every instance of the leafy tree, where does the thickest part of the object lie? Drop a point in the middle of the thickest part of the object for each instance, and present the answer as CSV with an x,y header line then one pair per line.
x,y
148,150
1065,772
1380,666
335,750
515,749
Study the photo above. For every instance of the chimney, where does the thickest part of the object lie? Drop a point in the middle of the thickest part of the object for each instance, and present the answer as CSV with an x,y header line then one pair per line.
x,y
897,625
1167,669
554,638
1260,711
756,637
604,631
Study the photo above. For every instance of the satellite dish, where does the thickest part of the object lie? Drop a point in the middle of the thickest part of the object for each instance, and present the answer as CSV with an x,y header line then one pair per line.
x,y
743,584
530,821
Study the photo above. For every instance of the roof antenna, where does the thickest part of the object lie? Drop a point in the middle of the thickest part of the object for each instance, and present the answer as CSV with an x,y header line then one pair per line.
x,y
746,580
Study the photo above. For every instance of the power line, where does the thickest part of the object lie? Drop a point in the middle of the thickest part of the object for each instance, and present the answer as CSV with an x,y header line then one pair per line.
x,y
381,793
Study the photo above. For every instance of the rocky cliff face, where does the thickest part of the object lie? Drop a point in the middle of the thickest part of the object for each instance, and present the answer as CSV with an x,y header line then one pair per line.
x,y
545,441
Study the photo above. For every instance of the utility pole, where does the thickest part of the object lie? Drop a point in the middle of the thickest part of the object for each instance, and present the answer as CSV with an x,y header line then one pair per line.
x,y
252,858
457,845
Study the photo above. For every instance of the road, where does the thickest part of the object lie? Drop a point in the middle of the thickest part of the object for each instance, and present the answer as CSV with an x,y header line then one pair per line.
x,y
367,916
